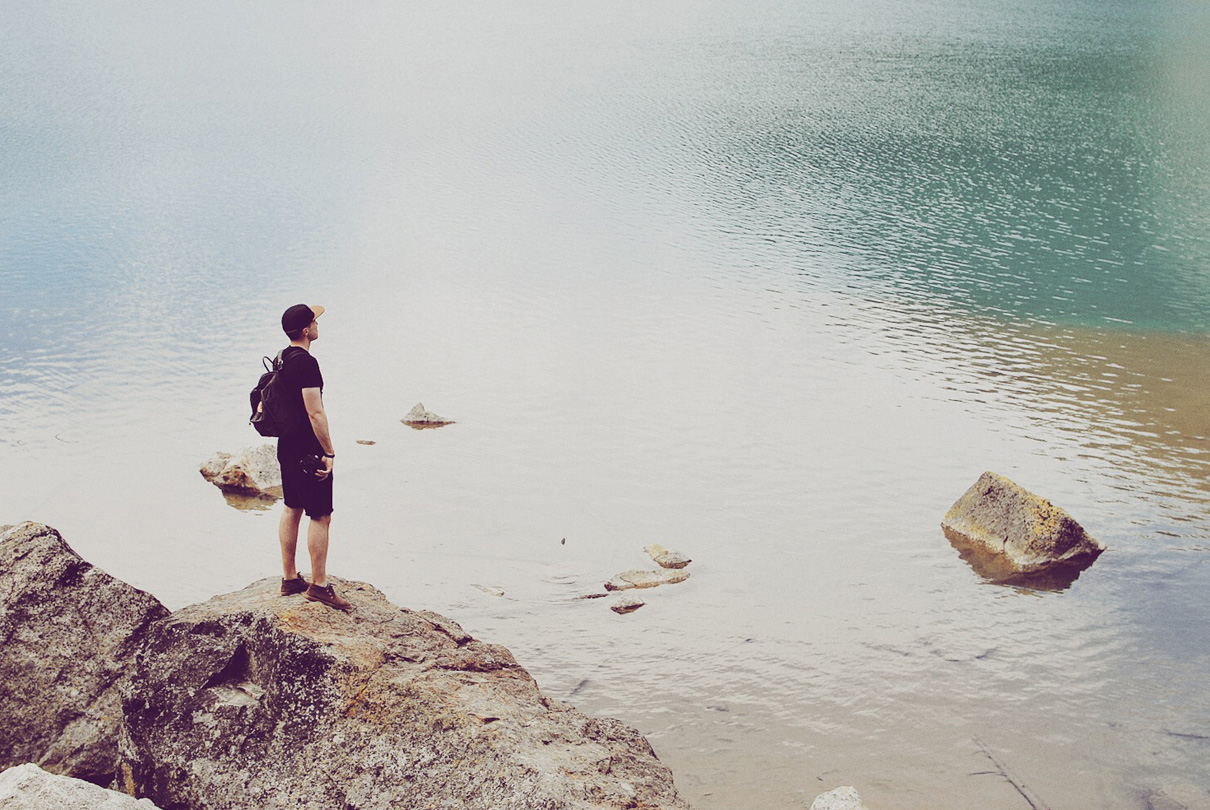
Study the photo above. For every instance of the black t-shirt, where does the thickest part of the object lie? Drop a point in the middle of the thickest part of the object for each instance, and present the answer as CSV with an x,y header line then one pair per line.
x,y
300,370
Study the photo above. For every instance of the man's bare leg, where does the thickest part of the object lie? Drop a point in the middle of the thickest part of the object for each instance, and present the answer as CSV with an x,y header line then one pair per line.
x,y
317,545
287,534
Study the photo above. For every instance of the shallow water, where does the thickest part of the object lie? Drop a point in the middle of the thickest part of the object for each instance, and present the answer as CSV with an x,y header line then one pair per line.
x,y
769,284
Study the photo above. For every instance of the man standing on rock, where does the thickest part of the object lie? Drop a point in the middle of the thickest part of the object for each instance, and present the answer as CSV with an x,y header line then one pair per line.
x,y
306,459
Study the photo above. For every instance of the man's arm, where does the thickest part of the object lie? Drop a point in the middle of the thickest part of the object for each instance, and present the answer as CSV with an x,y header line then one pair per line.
x,y
314,403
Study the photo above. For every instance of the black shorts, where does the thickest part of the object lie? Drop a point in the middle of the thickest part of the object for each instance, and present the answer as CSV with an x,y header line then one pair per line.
x,y
302,491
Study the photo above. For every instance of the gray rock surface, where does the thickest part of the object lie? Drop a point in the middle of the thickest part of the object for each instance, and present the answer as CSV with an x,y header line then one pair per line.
x,y
1014,532
253,700
67,636
251,471
636,578
1179,797
28,787
842,798
666,558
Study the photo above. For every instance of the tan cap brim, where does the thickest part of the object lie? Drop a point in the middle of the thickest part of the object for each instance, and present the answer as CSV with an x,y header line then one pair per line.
x,y
318,310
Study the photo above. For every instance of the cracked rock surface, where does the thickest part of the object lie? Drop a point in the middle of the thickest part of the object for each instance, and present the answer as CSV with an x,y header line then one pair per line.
x,y
254,700
68,631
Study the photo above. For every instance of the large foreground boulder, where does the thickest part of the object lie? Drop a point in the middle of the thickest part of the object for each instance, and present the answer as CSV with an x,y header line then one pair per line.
x,y
1012,532
28,787
68,632
254,700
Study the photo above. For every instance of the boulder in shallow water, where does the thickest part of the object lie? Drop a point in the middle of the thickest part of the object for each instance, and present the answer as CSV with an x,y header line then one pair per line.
x,y
28,787
666,558
636,578
418,417
842,798
1010,532
251,471
69,632
251,700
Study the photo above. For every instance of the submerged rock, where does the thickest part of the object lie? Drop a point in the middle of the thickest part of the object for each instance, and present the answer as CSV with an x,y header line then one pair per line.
x,y
665,558
1179,797
626,604
1007,531
69,631
28,787
253,471
418,417
842,798
645,579
251,700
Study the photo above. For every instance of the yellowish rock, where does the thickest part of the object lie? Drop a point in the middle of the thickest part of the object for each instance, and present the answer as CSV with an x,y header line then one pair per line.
x,y
636,578
666,558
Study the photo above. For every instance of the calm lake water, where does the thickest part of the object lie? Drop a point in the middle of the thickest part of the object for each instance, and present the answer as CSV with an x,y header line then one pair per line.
x,y
771,283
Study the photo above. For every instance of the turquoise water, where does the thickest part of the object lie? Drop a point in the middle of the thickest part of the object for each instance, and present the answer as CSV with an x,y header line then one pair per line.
x,y
771,283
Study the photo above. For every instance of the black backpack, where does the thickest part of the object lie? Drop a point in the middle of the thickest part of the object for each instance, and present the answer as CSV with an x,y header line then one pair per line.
x,y
272,412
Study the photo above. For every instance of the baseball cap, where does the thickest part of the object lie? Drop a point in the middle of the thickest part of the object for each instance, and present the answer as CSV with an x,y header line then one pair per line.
x,y
299,316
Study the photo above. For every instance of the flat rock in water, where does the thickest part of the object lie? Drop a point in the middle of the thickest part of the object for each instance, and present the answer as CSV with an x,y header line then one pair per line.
x,y
626,604
419,417
245,700
251,471
28,787
70,632
666,558
842,798
636,578
1010,531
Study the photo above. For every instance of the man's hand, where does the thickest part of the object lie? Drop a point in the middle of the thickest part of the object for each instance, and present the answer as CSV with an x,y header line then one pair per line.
x,y
326,470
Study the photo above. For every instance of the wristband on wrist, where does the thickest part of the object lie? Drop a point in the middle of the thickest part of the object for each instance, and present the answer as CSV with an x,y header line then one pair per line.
x,y
329,455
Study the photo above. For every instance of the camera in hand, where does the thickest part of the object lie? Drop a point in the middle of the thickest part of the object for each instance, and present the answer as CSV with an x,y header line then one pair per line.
x,y
312,464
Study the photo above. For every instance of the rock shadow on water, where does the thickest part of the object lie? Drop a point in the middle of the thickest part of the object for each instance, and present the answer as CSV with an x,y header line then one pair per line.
x,y
995,570
252,502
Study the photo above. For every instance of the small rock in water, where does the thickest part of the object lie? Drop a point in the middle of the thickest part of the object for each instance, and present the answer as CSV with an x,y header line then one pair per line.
x,y
1009,532
490,590
842,798
418,417
253,471
1179,797
666,558
627,604
645,579
367,442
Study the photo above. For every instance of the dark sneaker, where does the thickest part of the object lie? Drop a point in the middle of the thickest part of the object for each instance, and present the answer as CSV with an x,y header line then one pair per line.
x,y
289,587
327,595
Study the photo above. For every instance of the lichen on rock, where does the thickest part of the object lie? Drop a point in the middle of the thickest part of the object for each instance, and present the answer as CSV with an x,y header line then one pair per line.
x,y
1007,531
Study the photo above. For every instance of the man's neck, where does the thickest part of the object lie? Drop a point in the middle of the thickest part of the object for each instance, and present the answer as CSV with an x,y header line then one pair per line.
x,y
304,343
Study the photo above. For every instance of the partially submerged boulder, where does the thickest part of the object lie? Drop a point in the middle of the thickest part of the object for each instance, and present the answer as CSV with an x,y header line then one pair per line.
x,y
1009,532
666,558
636,578
626,604
418,417
68,632
254,700
28,787
252,471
